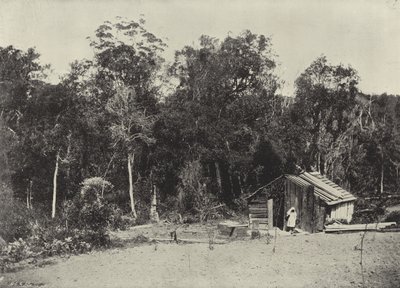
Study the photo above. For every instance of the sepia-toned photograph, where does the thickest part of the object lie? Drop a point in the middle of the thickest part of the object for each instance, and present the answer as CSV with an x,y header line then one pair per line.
x,y
204,144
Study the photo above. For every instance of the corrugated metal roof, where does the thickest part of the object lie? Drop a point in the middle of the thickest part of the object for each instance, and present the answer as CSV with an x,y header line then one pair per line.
x,y
328,191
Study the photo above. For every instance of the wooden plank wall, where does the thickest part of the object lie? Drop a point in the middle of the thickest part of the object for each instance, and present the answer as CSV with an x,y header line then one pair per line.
x,y
342,211
310,209
258,211
258,207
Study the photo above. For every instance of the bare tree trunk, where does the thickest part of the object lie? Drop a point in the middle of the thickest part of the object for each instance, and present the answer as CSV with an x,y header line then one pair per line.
x,y
370,114
153,210
53,207
29,195
332,168
382,178
382,168
131,158
218,174
68,172
325,167
105,174
231,183
240,185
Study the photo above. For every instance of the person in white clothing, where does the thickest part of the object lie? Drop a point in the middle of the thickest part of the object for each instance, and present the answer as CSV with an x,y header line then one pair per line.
x,y
291,217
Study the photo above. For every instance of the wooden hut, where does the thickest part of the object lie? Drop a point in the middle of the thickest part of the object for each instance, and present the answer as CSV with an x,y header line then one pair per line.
x,y
314,197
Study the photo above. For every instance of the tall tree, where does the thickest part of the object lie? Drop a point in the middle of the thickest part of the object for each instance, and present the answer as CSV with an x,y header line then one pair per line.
x,y
130,130
325,97
127,64
225,88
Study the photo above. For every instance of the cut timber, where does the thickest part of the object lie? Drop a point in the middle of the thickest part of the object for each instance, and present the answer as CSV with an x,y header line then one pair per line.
x,y
254,209
357,227
261,217
258,205
259,201
258,212
232,224
258,215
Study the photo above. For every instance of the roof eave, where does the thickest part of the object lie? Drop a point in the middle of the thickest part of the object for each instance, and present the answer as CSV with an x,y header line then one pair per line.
x,y
340,201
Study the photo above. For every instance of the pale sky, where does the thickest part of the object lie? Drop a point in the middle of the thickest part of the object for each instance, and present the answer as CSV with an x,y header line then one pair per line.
x,y
362,33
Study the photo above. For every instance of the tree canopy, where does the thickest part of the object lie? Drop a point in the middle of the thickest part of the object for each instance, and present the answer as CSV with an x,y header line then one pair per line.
x,y
218,134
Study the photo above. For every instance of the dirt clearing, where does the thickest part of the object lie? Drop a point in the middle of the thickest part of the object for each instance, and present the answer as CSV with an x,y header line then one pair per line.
x,y
318,260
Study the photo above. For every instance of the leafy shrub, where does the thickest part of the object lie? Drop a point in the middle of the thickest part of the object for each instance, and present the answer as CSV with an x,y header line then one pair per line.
x,y
73,244
240,205
366,212
172,217
17,251
56,239
21,249
393,216
95,187
194,196
143,213
15,220
140,239
90,218
91,215
360,217
87,211
190,219
118,220
83,224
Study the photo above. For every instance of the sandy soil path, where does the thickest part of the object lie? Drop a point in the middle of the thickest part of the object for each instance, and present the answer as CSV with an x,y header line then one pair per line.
x,y
318,260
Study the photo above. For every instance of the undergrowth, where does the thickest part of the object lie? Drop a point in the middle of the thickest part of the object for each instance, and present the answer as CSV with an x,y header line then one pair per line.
x,y
82,224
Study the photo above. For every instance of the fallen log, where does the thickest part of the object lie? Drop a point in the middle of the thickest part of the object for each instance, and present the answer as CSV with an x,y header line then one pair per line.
x,y
358,227
388,229
205,241
3,243
381,197
141,226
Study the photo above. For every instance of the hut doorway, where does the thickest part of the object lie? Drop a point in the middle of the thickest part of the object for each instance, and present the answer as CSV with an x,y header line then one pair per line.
x,y
279,213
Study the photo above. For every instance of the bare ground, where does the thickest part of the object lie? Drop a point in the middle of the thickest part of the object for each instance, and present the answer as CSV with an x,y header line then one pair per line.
x,y
318,260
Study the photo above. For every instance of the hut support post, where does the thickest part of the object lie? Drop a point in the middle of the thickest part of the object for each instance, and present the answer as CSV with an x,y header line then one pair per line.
x,y
270,214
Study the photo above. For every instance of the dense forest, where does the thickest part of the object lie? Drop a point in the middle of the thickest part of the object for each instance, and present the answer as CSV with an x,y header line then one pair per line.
x,y
207,129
